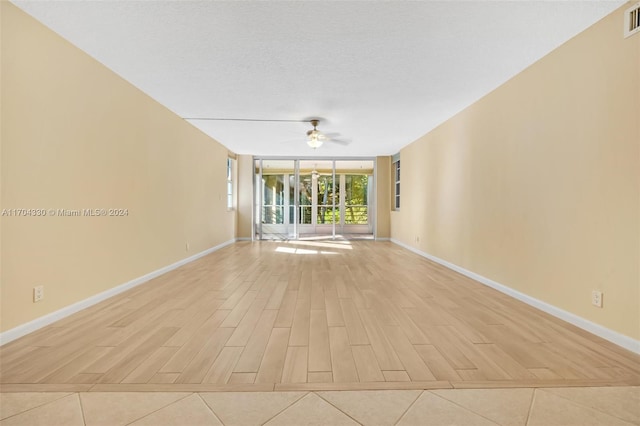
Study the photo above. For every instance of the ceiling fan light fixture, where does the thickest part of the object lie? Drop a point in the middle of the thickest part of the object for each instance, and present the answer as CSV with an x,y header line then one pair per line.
x,y
314,136
314,142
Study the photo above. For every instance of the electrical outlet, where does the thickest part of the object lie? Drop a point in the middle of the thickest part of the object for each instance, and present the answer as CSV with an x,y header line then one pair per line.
x,y
38,293
596,298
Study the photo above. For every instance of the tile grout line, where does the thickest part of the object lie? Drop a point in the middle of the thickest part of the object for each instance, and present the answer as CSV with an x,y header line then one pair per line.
x,y
338,408
533,398
161,408
38,406
286,408
409,407
463,407
209,408
84,420
584,405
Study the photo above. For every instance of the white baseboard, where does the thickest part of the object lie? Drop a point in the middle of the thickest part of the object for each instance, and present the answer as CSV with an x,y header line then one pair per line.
x,y
383,239
610,335
243,239
45,320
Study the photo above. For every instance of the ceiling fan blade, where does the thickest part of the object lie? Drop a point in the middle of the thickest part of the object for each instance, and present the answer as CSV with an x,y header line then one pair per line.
x,y
315,137
339,141
332,135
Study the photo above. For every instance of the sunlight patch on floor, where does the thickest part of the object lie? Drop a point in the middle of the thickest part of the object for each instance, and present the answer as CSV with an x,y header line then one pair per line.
x,y
292,250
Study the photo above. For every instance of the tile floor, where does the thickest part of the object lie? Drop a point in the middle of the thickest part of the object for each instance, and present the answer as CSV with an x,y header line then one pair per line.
x,y
523,406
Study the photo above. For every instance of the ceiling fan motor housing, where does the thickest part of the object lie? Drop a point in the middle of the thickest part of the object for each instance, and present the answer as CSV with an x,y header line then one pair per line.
x,y
314,136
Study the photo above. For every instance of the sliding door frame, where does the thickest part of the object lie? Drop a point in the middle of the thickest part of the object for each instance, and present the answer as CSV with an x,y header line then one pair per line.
x,y
258,192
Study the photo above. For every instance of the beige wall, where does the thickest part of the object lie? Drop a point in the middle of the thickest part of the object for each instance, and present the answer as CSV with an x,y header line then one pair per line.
x,y
75,136
537,185
245,196
383,197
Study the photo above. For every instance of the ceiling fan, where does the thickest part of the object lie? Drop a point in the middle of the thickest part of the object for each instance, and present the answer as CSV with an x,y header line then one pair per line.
x,y
315,138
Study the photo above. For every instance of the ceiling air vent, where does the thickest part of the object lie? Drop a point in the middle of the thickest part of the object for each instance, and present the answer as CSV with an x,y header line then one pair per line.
x,y
632,20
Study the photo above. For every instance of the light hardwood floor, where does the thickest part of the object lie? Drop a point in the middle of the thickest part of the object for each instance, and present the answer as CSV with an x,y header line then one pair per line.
x,y
311,316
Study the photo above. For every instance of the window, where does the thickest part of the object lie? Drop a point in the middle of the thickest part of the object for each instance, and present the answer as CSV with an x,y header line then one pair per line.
x,y
273,199
229,183
306,200
396,174
356,203
325,201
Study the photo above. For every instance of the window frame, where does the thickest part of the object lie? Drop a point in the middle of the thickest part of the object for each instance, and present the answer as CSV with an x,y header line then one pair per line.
x,y
396,184
230,183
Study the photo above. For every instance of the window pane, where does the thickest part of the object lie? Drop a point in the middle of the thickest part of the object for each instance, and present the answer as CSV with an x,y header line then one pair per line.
x,y
273,199
305,186
273,215
326,213
356,203
397,184
292,197
229,184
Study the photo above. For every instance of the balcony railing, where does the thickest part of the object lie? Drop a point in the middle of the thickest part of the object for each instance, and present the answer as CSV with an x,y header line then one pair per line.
x,y
273,214
356,215
353,215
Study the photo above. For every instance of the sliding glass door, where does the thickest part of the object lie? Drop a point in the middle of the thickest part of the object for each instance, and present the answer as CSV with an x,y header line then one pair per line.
x,y
307,198
357,210
275,199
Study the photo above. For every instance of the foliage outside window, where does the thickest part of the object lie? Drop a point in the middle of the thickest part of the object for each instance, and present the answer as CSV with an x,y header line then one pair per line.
x,y
356,203
326,211
330,205
305,201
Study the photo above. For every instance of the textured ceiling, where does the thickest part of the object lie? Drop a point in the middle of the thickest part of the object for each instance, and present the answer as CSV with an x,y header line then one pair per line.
x,y
381,74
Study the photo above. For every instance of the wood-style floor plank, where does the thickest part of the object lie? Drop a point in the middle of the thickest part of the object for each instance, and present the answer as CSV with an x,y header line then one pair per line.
x,y
344,368
355,329
222,368
287,310
334,311
236,378
270,370
295,365
185,354
385,352
319,354
413,363
248,317
149,367
366,364
438,365
396,376
254,349
197,369
245,327
301,322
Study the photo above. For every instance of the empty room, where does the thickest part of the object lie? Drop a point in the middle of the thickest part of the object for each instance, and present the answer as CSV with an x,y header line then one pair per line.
x,y
319,212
